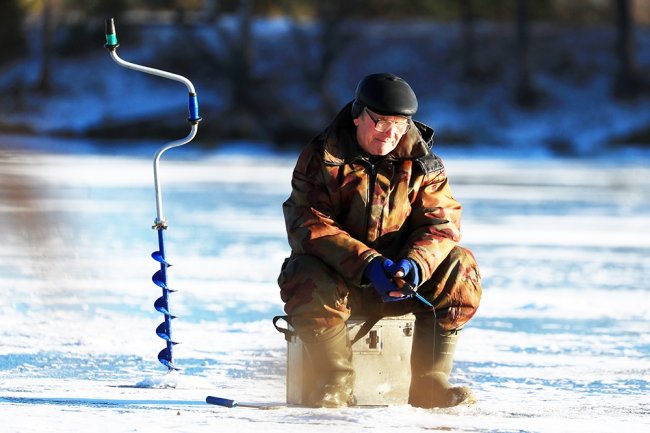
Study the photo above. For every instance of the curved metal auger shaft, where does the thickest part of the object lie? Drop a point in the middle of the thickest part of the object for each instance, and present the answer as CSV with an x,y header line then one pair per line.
x,y
164,330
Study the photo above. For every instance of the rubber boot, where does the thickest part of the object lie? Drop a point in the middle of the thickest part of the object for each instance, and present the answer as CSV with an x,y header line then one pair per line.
x,y
330,354
431,362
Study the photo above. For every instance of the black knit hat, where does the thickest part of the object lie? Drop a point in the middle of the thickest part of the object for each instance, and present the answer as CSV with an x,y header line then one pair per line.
x,y
385,94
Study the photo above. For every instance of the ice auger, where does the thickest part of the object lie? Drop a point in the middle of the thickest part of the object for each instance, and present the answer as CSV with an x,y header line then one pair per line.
x,y
164,330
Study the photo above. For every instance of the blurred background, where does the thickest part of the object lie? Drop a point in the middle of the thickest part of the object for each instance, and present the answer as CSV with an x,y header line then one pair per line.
x,y
559,77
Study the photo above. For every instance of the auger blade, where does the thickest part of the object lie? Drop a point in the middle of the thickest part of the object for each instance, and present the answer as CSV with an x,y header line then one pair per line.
x,y
163,332
157,256
161,305
159,279
165,359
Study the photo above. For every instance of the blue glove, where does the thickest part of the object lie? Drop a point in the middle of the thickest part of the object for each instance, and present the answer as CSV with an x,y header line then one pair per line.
x,y
410,269
378,275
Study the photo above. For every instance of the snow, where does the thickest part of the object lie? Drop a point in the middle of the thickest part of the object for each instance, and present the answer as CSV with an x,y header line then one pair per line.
x,y
561,342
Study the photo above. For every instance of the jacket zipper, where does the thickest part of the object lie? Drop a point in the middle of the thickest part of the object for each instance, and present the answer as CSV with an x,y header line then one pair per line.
x,y
371,192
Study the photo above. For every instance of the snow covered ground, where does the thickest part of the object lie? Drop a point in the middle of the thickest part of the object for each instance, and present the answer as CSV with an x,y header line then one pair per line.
x,y
561,342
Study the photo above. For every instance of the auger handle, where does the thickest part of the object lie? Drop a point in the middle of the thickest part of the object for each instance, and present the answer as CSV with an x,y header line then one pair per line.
x,y
193,109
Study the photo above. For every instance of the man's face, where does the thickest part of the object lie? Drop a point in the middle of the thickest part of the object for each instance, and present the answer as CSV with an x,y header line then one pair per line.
x,y
379,135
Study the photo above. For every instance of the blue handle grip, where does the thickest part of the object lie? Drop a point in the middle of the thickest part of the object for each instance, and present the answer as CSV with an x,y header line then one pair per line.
x,y
193,108
221,401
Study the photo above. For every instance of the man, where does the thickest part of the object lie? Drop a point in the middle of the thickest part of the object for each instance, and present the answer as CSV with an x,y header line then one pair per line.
x,y
370,211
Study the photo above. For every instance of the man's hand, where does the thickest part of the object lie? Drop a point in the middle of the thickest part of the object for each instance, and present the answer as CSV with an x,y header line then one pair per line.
x,y
380,274
405,269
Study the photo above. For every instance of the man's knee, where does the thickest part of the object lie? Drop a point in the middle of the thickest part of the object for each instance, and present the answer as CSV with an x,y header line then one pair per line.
x,y
456,287
312,291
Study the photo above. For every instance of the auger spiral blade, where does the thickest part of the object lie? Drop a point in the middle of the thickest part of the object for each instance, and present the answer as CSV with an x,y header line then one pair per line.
x,y
165,358
160,280
157,256
164,330
162,306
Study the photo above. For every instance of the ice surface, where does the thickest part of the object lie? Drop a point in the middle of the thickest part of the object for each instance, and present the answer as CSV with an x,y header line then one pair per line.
x,y
561,342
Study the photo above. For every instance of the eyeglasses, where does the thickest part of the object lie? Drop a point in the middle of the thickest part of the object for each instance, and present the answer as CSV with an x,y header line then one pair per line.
x,y
383,125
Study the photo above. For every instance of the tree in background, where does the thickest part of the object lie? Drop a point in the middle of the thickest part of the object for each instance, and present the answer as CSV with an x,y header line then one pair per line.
x,y
525,93
236,67
330,41
470,69
78,36
12,39
47,33
626,81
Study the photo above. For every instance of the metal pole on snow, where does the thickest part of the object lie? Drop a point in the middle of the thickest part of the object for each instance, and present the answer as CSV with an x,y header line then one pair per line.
x,y
164,330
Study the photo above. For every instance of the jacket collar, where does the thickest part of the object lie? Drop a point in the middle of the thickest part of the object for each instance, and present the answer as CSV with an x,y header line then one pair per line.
x,y
341,147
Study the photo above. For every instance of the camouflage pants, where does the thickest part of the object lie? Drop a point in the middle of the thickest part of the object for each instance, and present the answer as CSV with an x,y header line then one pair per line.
x,y
316,296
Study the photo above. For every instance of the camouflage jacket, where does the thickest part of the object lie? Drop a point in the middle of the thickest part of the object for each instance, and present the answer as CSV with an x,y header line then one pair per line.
x,y
347,208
